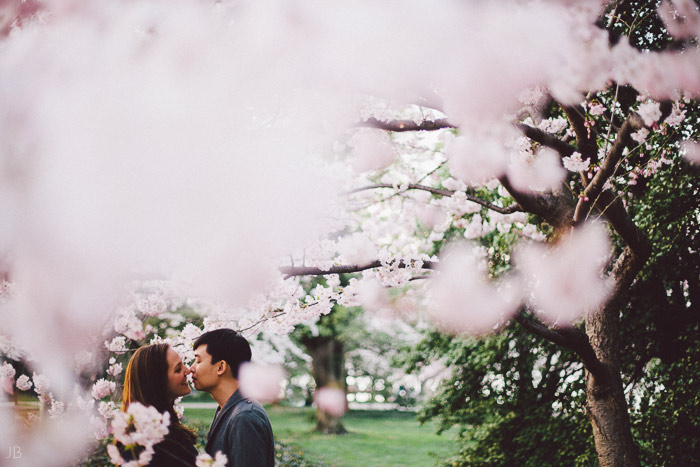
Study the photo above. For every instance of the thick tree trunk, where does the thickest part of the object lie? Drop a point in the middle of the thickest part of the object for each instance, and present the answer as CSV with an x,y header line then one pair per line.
x,y
606,406
328,368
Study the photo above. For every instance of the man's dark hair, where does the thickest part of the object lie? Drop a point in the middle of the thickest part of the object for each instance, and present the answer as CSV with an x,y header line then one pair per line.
x,y
227,345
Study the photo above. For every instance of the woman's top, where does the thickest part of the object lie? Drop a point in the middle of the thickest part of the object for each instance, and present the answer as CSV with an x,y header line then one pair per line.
x,y
173,452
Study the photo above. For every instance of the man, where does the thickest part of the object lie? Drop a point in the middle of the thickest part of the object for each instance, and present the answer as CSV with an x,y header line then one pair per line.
x,y
241,428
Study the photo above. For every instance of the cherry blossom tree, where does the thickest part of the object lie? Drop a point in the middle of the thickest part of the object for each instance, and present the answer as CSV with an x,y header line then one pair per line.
x,y
214,145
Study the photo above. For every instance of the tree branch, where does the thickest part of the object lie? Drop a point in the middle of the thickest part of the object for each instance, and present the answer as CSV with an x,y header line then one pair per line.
x,y
405,125
441,192
623,139
586,146
616,214
603,325
592,191
555,209
545,139
571,339
291,271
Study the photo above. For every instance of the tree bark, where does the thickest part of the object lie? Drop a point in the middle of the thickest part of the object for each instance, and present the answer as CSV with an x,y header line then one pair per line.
x,y
606,406
328,368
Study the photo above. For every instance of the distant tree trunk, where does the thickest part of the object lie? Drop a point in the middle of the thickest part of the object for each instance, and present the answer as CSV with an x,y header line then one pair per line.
x,y
328,368
606,406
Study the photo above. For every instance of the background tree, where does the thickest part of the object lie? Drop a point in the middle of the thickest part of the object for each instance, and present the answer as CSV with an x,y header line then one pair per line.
x,y
342,340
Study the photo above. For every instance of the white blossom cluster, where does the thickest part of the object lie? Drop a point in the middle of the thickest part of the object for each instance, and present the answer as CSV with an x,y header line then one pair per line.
x,y
103,388
139,426
575,163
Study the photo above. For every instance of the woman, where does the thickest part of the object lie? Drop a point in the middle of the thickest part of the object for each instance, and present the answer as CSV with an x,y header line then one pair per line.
x,y
156,376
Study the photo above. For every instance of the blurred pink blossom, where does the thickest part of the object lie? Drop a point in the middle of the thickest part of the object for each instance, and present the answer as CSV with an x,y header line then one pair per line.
x,y
331,400
356,249
541,172
462,299
372,295
681,18
14,12
567,280
691,151
476,160
261,382
431,216
372,150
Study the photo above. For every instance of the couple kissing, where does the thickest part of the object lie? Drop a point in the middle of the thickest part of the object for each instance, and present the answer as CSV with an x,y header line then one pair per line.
x,y
156,377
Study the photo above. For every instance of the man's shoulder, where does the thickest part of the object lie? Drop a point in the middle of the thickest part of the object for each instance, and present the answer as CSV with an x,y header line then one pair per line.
x,y
249,409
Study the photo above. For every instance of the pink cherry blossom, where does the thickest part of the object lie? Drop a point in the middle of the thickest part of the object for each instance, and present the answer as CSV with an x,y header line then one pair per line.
x,y
23,383
574,163
650,112
102,388
142,425
41,383
640,135
117,344
7,377
596,109
114,370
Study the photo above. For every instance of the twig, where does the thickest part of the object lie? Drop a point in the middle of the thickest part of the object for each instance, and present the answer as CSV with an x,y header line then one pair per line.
x,y
441,192
405,125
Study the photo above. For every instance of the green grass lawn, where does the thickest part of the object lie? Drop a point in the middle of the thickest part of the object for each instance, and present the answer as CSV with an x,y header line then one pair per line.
x,y
376,438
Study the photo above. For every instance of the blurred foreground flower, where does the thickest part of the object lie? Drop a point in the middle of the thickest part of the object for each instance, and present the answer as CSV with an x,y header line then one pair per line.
x,y
138,426
261,382
463,300
567,280
331,400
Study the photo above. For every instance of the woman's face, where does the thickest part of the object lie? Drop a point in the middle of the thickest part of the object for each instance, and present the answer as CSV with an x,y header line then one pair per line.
x,y
177,376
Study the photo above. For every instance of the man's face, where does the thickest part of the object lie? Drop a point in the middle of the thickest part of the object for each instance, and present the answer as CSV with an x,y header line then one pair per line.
x,y
203,370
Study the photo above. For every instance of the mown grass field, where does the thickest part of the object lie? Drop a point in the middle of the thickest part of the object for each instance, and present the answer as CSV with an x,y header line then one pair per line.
x,y
376,438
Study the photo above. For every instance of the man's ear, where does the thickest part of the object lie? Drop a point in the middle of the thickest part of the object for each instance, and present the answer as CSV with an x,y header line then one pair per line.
x,y
221,366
